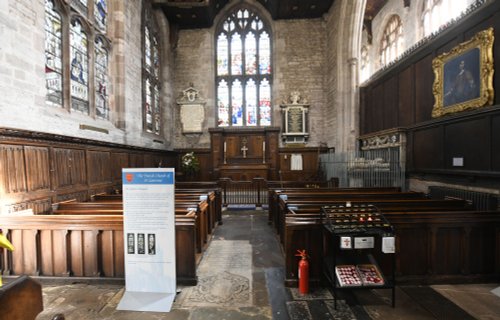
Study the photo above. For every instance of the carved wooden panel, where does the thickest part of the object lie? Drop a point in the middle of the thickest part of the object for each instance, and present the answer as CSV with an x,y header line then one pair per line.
x,y
100,168
12,169
79,196
24,258
37,167
136,160
69,167
119,160
37,206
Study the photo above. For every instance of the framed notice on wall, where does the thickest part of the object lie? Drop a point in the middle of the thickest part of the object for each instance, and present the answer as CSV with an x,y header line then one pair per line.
x,y
149,236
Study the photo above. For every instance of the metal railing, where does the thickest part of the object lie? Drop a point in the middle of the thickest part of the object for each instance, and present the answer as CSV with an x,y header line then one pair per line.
x,y
370,168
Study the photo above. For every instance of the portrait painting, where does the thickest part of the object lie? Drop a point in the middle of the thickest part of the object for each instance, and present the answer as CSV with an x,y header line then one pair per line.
x,y
463,77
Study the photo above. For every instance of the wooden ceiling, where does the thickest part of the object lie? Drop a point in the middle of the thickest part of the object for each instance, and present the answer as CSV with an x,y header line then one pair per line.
x,y
189,14
192,14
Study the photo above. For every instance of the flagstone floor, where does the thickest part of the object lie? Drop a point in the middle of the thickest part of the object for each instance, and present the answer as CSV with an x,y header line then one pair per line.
x,y
241,277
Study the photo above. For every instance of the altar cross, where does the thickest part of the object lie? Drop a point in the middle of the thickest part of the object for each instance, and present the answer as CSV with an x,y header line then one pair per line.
x,y
244,149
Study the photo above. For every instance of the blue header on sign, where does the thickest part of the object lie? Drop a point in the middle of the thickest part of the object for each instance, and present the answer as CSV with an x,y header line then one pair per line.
x,y
148,177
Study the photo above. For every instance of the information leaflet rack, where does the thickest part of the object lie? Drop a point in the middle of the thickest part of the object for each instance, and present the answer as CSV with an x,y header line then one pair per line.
x,y
355,233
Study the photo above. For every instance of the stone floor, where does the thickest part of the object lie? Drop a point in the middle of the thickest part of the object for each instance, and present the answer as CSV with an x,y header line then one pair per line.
x,y
241,277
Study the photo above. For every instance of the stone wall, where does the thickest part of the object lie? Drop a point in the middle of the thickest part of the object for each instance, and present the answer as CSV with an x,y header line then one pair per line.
x,y
194,63
299,65
298,60
22,76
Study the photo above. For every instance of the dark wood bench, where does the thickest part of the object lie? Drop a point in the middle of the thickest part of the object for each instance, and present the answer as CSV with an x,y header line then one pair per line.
x,y
432,246
86,246
21,298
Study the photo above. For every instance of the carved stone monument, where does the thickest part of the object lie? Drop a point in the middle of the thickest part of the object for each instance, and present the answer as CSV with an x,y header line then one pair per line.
x,y
295,118
192,110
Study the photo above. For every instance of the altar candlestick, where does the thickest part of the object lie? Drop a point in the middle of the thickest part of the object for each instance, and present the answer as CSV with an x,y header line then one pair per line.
x,y
224,146
263,152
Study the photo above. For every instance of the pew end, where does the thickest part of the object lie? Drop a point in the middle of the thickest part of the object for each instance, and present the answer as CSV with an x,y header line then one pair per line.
x,y
21,299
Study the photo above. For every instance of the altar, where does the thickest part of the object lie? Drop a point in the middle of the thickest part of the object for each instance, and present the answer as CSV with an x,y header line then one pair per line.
x,y
245,153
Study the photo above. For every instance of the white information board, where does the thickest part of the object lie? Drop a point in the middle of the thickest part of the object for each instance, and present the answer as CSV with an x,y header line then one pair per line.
x,y
149,239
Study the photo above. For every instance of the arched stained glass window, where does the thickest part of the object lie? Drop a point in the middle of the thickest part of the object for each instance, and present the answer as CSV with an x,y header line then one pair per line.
x,y
243,79
101,76
81,75
151,73
53,55
392,40
79,67
100,14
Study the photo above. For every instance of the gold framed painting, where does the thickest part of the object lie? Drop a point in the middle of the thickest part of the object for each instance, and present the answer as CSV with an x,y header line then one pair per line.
x,y
463,77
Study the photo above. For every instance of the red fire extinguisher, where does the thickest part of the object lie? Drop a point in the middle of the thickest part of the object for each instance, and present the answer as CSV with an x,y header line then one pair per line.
x,y
303,272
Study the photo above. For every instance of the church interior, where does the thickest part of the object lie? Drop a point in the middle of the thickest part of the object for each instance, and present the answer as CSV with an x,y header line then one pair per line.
x,y
365,132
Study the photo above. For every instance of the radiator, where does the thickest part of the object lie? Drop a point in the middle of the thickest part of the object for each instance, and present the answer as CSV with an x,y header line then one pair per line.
x,y
479,200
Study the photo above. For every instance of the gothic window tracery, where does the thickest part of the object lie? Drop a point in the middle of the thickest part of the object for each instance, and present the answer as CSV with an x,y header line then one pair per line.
x,y
84,82
243,70
151,73
391,44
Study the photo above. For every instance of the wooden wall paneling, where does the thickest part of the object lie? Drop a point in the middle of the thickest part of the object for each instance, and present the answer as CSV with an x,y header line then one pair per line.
x,y
99,167
448,257
427,148
205,166
24,257
90,246
233,146
37,167
482,239
363,98
136,160
390,109
412,239
77,253
468,139
61,250
69,167
375,110
78,195
424,98
406,97
272,152
495,143
111,254
119,160
38,206
61,168
47,258
12,169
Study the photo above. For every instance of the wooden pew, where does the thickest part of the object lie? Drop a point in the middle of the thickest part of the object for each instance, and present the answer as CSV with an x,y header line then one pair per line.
x,y
21,298
85,246
432,246
275,195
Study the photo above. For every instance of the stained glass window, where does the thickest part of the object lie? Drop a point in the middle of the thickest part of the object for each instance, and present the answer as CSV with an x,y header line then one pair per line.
x,y
243,72
101,76
79,67
265,103
53,55
100,14
151,73
77,56
223,103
